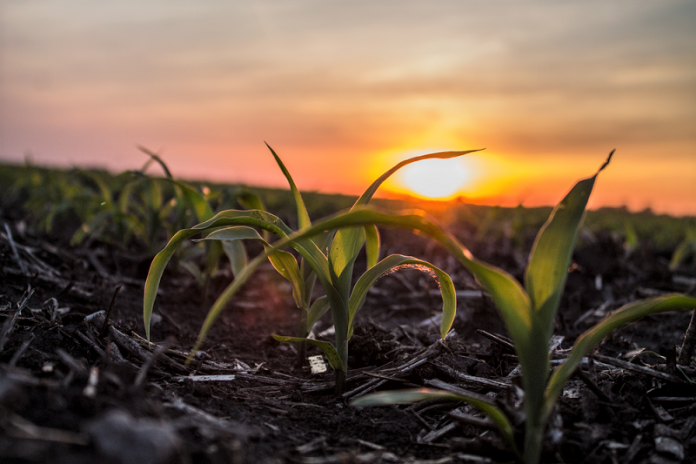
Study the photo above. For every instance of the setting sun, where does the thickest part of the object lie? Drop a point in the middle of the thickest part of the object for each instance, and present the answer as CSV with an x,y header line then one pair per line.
x,y
436,179
345,91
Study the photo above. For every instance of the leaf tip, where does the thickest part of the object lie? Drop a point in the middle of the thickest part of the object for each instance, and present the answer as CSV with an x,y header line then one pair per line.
x,y
606,163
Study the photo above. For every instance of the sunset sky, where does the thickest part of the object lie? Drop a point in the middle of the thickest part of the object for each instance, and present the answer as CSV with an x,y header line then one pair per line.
x,y
344,90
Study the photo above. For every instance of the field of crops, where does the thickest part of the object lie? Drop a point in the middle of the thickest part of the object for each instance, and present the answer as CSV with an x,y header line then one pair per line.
x,y
150,319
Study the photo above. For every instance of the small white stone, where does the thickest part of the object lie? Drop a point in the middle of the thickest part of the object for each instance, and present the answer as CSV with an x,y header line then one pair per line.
x,y
317,364
670,447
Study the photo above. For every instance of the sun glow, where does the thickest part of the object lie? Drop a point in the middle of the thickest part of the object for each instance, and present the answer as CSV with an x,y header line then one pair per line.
x,y
435,178
483,177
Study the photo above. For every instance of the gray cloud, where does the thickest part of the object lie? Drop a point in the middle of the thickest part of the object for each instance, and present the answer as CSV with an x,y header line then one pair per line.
x,y
535,76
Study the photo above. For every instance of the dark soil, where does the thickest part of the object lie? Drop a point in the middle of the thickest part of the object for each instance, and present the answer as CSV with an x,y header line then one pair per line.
x,y
74,389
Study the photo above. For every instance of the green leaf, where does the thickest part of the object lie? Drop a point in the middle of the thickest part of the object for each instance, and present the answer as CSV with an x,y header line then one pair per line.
x,y
545,280
311,255
328,349
367,196
253,218
631,237
155,157
286,264
196,200
553,248
592,337
154,195
250,200
372,245
195,272
344,251
504,289
103,187
302,215
684,249
283,262
422,394
230,238
318,309
154,275
347,243
124,196
392,263
236,253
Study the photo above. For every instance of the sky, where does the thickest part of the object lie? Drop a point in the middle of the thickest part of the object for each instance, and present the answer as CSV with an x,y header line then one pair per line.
x,y
344,90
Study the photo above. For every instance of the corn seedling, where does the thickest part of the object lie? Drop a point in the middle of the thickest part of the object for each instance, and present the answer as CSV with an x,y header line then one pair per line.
x,y
49,196
685,249
529,315
334,270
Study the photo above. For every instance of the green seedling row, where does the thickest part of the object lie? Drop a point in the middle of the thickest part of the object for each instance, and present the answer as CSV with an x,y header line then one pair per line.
x,y
134,206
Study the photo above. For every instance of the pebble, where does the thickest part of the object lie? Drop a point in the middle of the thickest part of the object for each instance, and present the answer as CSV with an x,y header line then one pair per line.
x,y
124,439
669,447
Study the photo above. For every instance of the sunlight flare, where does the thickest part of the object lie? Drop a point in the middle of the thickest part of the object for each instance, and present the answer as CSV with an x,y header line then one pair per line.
x,y
436,179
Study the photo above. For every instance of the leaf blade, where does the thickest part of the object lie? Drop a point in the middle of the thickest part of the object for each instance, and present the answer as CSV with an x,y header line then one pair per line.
x,y
392,263
318,309
549,259
421,394
369,193
326,347
283,262
372,245
302,215
592,337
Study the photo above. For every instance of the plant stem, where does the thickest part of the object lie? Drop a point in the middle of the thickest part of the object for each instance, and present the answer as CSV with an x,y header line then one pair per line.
x,y
534,434
302,332
534,427
301,354
342,348
340,382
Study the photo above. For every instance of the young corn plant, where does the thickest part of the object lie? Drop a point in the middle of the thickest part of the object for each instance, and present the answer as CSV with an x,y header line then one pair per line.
x,y
529,314
685,249
334,269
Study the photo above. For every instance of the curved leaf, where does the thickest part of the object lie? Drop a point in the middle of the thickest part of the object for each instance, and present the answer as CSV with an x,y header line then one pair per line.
x,y
372,245
504,289
592,337
124,196
367,195
286,264
422,394
236,253
250,200
230,234
318,309
263,218
326,347
347,243
553,248
344,251
103,187
395,262
155,157
283,262
683,250
196,200
252,218
154,275
231,240
302,215
506,292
